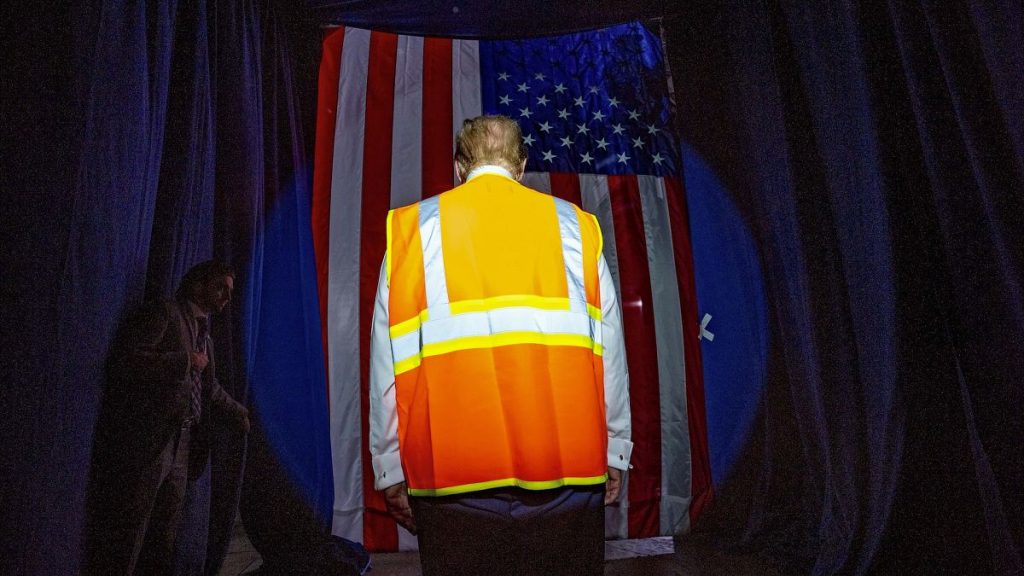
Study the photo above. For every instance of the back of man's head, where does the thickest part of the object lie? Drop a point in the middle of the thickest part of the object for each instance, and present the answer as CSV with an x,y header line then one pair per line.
x,y
200,275
493,140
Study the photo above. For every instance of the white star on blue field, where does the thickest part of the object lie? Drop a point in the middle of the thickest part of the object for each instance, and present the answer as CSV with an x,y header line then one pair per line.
x,y
594,102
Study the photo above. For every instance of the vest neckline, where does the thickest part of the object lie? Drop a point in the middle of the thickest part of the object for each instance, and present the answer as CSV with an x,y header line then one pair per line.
x,y
488,169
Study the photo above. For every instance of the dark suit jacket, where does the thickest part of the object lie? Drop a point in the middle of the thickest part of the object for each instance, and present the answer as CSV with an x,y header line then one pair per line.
x,y
149,369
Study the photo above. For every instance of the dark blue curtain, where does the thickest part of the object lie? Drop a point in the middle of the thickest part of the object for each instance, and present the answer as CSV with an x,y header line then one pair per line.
x,y
139,139
876,154
873,151
491,19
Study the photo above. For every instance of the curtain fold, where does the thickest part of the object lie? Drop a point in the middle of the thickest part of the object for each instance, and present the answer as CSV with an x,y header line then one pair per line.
x,y
143,138
81,179
875,155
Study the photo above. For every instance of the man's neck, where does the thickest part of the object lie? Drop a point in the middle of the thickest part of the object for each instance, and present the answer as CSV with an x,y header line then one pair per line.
x,y
195,310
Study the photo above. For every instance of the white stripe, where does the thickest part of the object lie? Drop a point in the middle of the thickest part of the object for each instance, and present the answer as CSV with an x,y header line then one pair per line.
x,y
466,97
539,181
407,153
596,200
343,285
407,131
675,442
433,258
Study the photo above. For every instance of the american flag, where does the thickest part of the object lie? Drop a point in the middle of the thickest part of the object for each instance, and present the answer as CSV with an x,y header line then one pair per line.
x,y
587,103
596,114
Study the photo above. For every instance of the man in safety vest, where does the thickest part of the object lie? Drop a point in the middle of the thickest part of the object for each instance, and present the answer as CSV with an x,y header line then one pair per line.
x,y
498,393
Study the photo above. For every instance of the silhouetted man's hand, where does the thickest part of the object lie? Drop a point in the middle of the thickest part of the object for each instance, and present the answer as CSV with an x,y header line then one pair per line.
x,y
397,499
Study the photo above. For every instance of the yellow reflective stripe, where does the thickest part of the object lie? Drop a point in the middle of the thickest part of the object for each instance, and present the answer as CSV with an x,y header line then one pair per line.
x,y
495,341
493,303
507,339
387,249
410,325
600,235
509,482
407,364
415,323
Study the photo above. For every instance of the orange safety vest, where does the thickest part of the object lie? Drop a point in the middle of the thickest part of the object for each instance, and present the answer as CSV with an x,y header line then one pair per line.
x,y
495,326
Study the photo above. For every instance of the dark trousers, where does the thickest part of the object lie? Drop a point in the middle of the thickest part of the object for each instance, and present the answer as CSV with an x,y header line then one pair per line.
x,y
137,535
512,531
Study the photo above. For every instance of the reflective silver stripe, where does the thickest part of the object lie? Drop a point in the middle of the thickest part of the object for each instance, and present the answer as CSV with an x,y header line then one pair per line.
x,y
406,345
514,319
497,321
433,258
572,253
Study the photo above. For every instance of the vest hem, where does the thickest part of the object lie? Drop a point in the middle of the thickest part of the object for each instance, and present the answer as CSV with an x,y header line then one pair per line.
x,y
510,483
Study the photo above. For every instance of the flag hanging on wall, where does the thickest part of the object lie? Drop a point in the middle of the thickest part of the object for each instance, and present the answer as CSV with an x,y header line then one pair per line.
x,y
595,110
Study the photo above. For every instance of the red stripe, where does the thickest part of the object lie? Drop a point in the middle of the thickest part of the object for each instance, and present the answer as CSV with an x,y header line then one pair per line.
x,y
323,164
437,143
566,185
641,355
379,530
702,491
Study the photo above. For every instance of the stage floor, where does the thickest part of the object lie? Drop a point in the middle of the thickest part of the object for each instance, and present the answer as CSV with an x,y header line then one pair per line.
x,y
663,556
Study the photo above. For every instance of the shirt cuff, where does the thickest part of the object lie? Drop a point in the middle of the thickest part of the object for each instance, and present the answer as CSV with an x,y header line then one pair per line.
x,y
619,451
387,470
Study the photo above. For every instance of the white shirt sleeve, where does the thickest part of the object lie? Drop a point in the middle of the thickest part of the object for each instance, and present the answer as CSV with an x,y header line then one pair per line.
x,y
387,464
616,375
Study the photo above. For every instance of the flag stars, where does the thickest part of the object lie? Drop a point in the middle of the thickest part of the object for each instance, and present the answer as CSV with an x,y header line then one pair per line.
x,y
525,113
586,158
601,144
579,101
613,102
582,129
623,158
540,76
542,100
618,129
503,76
598,116
559,88
506,100
529,139
638,143
594,90
657,159
634,115
548,156
563,114
544,127
652,129
566,142
522,87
